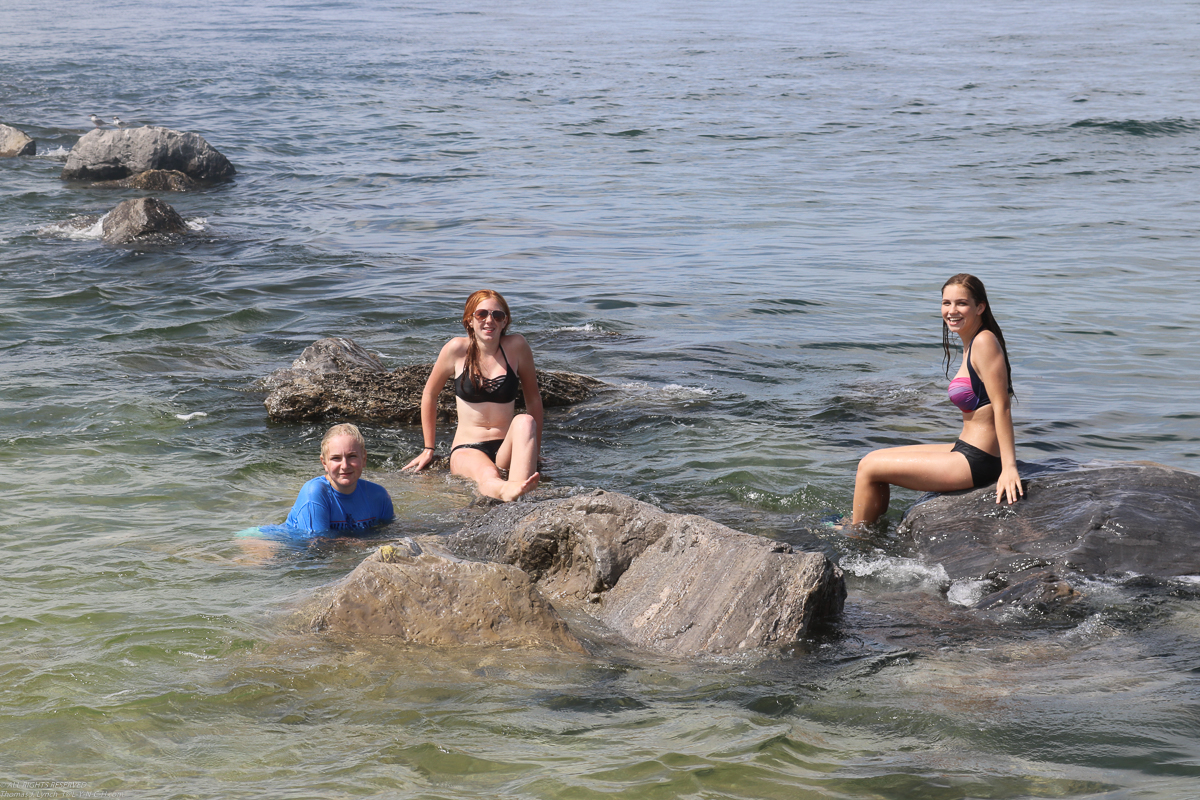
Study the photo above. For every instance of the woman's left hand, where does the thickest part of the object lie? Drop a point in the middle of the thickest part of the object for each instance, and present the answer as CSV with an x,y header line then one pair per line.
x,y
1010,484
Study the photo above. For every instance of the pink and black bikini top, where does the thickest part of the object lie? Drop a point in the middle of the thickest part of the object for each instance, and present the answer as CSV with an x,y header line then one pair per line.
x,y
968,392
501,389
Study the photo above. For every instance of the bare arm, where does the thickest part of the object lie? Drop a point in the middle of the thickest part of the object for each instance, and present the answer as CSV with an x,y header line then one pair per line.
x,y
989,362
443,370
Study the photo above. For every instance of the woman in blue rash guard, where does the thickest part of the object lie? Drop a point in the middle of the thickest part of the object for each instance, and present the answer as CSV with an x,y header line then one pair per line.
x,y
490,367
985,451
340,500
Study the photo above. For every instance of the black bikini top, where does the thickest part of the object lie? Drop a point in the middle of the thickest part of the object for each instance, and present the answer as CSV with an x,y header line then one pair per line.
x,y
501,389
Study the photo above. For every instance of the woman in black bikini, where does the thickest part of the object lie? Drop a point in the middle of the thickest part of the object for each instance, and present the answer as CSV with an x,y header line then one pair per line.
x,y
491,436
985,451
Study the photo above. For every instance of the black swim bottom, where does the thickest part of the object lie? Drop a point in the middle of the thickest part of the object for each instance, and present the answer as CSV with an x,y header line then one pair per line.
x,y
985,467
489,448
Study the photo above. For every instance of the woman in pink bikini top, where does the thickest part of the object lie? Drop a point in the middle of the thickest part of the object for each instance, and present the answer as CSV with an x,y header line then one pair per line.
x,y
985,451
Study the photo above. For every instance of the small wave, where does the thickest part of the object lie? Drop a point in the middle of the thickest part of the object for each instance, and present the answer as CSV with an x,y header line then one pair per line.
x,y
89,227
896,570
1137,127
191,416
588,328
671,390
196,223
57,154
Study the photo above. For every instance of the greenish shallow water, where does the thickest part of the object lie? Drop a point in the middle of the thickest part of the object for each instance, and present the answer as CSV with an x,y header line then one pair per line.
x,y
738,216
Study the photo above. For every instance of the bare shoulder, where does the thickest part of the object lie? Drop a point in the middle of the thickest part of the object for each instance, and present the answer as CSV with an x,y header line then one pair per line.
x,y
986,345
455,348
452,352
515,343
519,353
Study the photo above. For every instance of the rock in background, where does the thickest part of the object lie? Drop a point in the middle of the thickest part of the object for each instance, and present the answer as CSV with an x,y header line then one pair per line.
x,y
114,154
14,142
152,180
137,220
337,379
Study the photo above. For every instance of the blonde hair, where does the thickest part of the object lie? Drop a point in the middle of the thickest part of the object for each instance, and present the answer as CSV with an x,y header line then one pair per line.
x,y
344,429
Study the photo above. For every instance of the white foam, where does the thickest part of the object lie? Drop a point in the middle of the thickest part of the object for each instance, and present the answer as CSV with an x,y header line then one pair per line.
x,y
57,154
74,228
196,223
590,327
190,417
968,591
895,570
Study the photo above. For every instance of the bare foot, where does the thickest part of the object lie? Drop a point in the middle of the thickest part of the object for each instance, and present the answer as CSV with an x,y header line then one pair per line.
x,y
512,490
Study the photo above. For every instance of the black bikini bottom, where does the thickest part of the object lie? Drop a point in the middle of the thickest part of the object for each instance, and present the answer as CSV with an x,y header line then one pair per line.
x,y
489,448
985,467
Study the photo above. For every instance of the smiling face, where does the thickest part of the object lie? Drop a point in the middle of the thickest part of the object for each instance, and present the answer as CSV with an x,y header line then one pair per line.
x,y
343,459
489,327
960,312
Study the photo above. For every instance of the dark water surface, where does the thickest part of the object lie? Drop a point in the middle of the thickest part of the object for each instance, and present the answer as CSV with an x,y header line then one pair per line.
x,y
739,216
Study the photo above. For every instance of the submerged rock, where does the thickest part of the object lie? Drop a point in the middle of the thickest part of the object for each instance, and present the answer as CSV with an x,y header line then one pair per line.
x,y
674,584
113,154
135,220
424,595
153,180
335,378
14,142
1075,522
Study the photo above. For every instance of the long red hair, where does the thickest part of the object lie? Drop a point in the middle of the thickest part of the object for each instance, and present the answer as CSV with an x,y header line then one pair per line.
x,y
471,363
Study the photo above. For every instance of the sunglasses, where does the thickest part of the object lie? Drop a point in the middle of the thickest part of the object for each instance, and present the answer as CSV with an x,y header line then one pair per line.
x,y
498,315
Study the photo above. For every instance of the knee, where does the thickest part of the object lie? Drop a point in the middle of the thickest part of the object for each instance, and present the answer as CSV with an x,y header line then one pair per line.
x,y
867,467
523,426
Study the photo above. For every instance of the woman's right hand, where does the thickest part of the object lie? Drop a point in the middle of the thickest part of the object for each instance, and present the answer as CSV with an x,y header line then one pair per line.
x,y
420,462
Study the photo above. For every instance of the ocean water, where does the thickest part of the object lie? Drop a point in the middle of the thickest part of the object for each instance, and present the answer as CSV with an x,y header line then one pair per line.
x,y
737,215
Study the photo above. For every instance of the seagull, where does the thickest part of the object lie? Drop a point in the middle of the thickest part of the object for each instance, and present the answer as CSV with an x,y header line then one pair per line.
x,y
117,122
99,123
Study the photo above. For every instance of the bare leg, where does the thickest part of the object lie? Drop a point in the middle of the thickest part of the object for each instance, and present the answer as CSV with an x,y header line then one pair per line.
x,y
518,455
923,467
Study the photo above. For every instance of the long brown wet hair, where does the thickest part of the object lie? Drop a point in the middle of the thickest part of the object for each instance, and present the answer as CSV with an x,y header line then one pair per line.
x,y
974,287
471,363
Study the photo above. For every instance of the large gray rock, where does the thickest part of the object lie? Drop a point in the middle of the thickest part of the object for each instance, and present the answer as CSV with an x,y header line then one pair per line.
x,y
336,379
14,142
1075,522
424,595
677,585
140,219
574,547
113,154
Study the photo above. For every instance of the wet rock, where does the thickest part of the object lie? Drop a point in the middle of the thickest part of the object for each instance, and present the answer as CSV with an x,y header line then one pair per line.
x,y
153,180
114,154
336,379
425,595
677,585
1075,522
14,142
573,547
137,220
